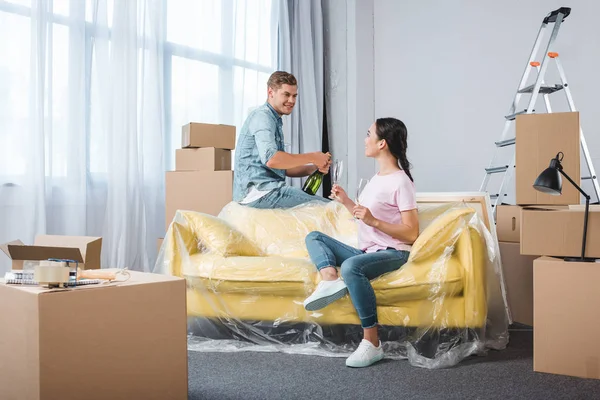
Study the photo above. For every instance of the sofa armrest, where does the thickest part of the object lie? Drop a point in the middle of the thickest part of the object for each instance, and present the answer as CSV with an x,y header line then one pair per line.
x,y
193,232
179,242
471,251
440,234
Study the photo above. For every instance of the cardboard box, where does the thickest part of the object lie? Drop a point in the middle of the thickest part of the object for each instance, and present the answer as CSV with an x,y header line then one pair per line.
x,y
518,277
559,232
117,341
539,137
508,223
206,192
208,135
83,249
566,318
203,159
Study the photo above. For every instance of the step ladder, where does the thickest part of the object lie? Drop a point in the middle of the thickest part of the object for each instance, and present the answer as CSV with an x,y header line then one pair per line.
x,y
539,87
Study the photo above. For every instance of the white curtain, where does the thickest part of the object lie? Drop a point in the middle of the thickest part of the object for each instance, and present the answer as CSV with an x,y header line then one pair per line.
x,y
301,53
93,94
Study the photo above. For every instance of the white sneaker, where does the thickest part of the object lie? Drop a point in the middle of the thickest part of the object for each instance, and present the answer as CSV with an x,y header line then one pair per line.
x,y
326,293
365,355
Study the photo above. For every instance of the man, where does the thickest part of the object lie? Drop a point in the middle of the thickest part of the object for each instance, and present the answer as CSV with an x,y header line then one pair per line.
x,y
261,164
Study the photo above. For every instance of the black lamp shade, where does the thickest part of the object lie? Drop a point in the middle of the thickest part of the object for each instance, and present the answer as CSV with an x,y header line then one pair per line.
x,y
549,182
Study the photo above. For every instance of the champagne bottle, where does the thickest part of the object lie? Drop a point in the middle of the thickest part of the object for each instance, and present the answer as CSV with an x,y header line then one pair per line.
x,y
313,183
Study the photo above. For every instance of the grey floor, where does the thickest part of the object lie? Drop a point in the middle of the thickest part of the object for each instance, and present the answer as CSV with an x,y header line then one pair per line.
x,y
506,374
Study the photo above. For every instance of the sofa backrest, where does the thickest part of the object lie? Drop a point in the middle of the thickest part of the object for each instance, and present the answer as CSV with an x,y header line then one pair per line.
x,y
282,232
430,205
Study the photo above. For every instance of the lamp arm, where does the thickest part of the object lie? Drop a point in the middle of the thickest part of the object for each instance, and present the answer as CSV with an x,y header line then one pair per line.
x,y
587,196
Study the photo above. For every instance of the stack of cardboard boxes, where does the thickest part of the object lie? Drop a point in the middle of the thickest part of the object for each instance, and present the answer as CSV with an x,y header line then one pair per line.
x,y
557,297
203,178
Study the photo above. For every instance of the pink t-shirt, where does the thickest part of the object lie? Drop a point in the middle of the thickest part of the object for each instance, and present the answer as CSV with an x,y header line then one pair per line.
x,y
385,196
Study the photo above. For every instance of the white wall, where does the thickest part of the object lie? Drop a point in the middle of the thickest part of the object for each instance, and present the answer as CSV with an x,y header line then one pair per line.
x,y
449,70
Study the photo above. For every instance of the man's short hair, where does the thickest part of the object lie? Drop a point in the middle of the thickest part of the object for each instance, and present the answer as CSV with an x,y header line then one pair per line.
x,y
279,78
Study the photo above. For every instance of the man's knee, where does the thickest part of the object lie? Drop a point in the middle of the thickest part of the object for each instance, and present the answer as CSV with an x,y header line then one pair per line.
x,y
301,195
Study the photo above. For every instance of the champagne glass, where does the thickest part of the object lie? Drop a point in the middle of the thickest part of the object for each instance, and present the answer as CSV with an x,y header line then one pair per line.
x,y
338,168
361,186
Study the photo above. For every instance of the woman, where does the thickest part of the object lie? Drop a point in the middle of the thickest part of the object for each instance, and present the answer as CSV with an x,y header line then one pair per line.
x,y
387,227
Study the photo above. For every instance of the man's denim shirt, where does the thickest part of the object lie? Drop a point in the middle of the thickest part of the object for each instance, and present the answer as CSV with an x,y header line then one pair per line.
x,y
260,138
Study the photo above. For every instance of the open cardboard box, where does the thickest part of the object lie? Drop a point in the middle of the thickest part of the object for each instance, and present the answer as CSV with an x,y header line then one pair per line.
x,y
83,249
123,340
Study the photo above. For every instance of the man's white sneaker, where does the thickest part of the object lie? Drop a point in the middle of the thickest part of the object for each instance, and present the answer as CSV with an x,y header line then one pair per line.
x,y
366,354
326,293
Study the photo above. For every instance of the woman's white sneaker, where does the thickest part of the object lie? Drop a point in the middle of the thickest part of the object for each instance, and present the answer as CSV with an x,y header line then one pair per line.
x,y
326,293
366,354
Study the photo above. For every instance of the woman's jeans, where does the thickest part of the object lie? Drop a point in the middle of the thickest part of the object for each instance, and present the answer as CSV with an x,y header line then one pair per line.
x,y
358,268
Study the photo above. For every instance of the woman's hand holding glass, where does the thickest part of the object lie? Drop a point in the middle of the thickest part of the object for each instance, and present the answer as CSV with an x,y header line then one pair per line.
x,y
339,194
364,214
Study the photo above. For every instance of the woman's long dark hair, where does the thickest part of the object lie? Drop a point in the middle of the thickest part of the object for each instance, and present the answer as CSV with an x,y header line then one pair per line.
x,y
394,132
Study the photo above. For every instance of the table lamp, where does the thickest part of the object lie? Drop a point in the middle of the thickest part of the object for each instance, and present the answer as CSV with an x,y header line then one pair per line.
x,y
550,182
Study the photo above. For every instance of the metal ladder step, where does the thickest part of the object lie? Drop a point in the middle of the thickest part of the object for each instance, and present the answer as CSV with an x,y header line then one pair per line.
x,y
495,170
504,143
587,177
543,89
513,116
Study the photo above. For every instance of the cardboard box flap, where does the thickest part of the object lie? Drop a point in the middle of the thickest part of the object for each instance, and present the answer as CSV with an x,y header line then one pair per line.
x,y
34,253
89,246
4,247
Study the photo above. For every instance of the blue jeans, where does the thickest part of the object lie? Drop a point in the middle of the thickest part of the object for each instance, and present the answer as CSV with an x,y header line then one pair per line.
x,y
285,197
358,268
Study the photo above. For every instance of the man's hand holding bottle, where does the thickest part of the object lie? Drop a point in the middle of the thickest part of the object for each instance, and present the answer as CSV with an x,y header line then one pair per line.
x,y
322,161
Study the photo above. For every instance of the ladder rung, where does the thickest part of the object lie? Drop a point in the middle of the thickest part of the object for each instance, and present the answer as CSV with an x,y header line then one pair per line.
x,y
513,116
495,196
543,89
588,177
495,170
504,143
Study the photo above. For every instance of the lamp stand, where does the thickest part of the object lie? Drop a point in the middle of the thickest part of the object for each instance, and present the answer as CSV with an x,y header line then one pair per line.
x,y
583,258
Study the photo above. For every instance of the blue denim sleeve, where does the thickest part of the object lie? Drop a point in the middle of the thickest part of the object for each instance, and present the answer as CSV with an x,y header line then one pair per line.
x,y
264,129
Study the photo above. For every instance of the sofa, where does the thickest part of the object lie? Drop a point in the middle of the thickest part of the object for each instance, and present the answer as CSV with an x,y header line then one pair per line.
x,y
248,269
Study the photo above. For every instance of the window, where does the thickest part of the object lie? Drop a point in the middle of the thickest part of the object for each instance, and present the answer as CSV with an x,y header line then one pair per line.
x,y
217,56
220,56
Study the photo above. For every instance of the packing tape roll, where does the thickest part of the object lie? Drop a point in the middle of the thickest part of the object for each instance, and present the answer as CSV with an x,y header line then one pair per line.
x,y
51,274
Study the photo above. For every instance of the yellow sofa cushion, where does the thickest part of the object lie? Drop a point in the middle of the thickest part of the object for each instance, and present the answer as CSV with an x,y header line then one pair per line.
x,y
440,233
239,306
215,235
276,276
